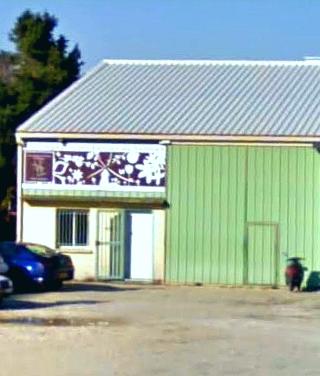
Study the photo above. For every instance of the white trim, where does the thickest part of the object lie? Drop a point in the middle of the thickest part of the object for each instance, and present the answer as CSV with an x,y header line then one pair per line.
x,y
20,163
51,146
208,62
168,137
267,144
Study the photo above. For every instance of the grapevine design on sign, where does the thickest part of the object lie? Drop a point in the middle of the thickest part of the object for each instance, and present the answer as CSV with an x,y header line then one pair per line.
x,y
108,169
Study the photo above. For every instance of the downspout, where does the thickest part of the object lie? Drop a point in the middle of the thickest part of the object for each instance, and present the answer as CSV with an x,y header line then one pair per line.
x,y
19,225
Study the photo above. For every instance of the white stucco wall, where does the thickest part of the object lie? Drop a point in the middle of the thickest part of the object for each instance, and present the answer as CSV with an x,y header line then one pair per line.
x,y
159,245
39,226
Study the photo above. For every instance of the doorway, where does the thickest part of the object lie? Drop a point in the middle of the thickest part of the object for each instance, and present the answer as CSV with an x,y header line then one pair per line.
x,y
141,246
262,256
125,245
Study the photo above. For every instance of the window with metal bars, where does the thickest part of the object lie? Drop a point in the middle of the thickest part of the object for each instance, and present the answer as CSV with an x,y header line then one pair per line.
x,y
72,227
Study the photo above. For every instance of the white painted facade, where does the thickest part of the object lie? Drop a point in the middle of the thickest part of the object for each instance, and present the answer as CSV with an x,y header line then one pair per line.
x,y
118,171
40,223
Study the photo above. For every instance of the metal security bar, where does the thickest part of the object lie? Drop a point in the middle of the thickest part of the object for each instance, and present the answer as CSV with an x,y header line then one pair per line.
x,y
72,227
110,245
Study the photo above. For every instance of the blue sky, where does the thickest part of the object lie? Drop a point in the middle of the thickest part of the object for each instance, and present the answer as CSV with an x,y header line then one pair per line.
x,y
177,29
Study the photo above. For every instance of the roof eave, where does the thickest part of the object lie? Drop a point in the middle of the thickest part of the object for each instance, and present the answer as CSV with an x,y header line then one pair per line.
x,y
22,136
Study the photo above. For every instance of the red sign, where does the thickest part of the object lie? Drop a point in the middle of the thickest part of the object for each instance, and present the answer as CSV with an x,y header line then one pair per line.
x,y
38,167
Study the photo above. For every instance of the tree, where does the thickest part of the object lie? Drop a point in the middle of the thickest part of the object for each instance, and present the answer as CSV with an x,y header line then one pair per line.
x,y
7,66
45,67
41,68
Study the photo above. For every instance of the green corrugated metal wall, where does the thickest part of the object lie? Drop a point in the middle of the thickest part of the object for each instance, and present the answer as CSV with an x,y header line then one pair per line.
x,y
233,210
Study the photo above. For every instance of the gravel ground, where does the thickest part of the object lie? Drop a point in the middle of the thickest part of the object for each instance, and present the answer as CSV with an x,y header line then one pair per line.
x,y
106,329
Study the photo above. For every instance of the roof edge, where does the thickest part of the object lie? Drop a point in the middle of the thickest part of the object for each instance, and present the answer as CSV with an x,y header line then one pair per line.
x,y
209,62
21,136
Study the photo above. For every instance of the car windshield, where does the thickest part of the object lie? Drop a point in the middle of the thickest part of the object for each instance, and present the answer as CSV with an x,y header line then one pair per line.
x,y
40,250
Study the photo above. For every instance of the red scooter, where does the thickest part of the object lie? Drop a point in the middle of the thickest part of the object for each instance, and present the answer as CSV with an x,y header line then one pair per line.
x,y
294,273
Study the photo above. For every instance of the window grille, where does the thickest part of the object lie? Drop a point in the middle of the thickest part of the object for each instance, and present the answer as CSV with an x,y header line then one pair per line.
x,y
72,227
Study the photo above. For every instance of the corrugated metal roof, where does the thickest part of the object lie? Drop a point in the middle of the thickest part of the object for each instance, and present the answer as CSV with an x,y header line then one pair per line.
x,y
188,98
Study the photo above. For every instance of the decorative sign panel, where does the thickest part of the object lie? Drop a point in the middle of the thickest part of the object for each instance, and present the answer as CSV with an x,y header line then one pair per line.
x,y
38,167
116,167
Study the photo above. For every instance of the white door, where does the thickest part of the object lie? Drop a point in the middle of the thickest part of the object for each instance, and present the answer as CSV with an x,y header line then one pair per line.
x,y
141,266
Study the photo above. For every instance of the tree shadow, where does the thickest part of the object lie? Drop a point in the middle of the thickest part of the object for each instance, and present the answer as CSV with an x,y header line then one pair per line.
x,y
12,304
98,287
76,287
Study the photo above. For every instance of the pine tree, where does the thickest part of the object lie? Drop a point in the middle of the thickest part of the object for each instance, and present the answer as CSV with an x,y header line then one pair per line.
x,y
41,68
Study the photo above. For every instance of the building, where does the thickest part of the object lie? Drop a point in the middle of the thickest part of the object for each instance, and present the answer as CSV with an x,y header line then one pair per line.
x,y
178,171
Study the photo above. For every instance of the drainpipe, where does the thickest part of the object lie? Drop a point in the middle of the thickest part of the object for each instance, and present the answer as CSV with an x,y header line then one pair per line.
x,y
20,145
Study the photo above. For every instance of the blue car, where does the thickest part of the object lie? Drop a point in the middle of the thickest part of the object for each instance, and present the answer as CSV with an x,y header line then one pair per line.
x,y
35,265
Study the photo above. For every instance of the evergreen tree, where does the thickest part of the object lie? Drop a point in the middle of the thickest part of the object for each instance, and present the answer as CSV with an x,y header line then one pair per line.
x,y
41,68
44,65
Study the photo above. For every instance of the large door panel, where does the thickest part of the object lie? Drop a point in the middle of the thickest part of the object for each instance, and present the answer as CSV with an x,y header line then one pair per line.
x,y
262,254
141,267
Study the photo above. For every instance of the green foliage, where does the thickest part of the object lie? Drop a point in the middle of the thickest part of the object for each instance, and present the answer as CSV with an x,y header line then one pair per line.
x,y
45,67
41,67
7,66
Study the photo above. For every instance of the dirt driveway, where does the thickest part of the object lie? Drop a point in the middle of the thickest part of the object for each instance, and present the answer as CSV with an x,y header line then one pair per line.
x,y
98,329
